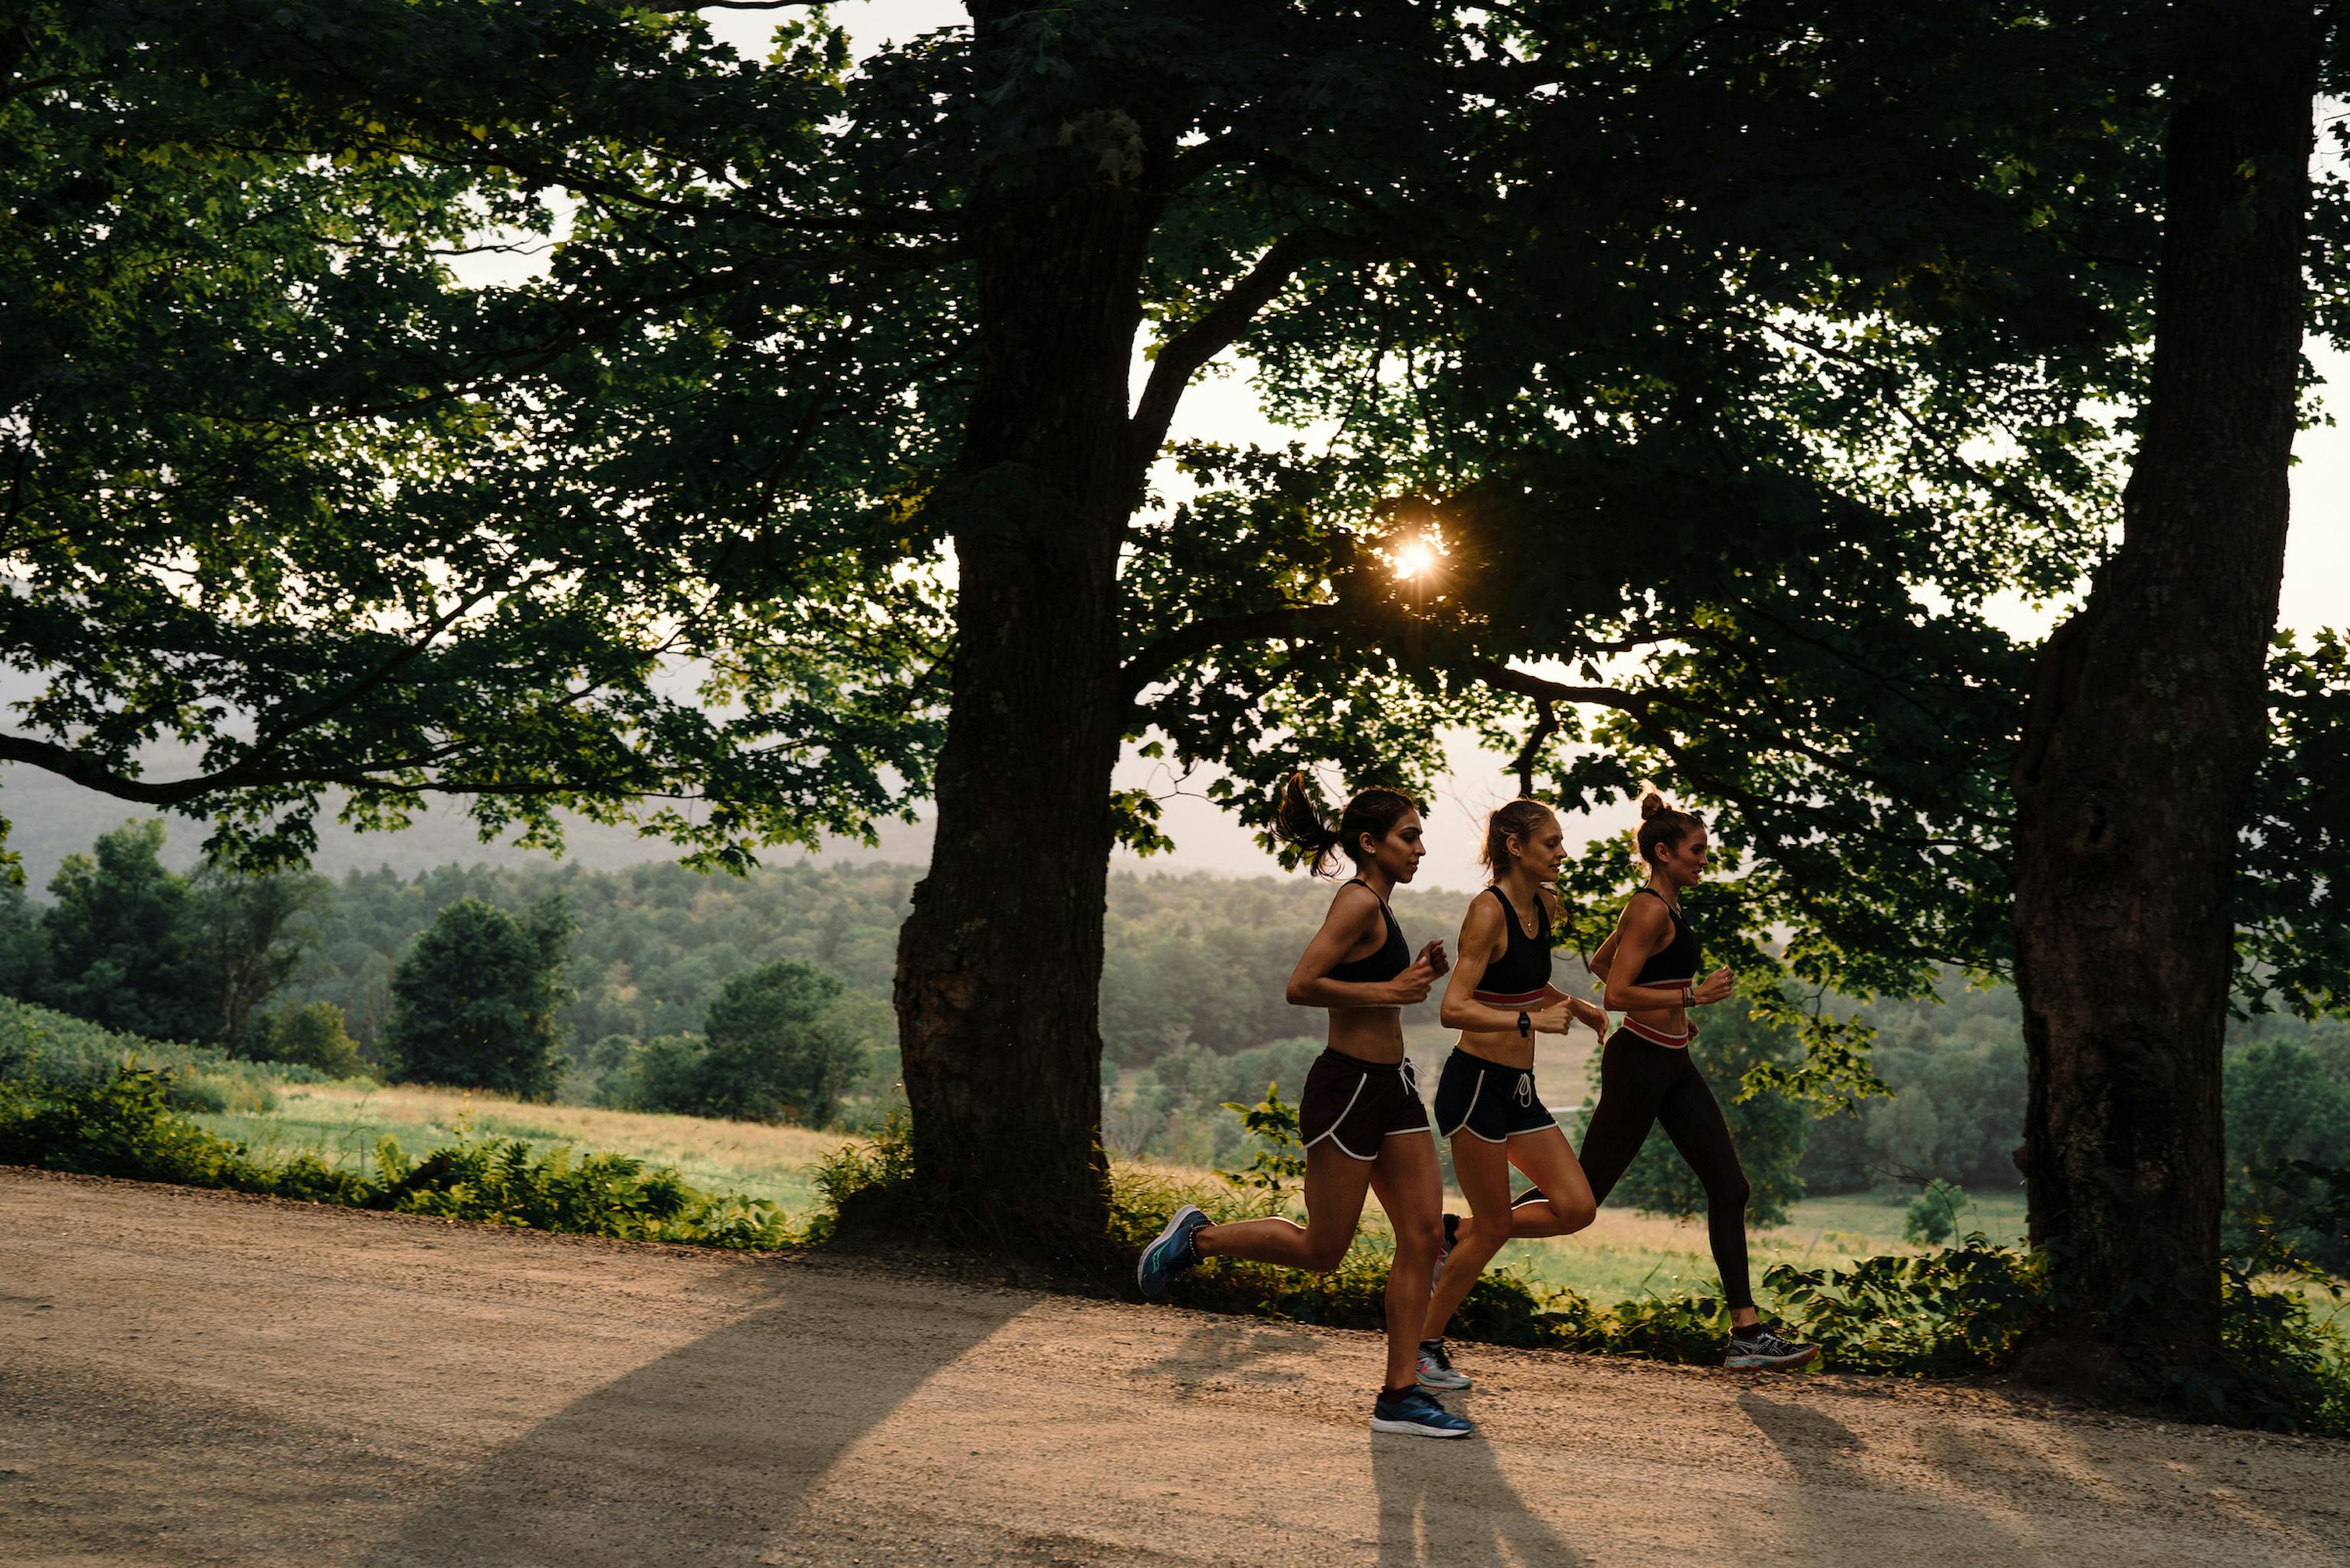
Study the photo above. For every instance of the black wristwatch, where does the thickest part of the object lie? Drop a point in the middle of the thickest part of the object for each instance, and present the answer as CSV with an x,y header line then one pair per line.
x,y
1525,1027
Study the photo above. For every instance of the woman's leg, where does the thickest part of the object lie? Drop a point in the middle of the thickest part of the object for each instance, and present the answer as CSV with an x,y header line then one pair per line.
x,y
1335,1183
1410,1185
1633,1078
1568,1205
1482,1170
1693,1118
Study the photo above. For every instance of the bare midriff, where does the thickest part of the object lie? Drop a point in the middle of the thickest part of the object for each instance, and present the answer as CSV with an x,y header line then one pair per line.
x,y
1670,1022
1503,1047
1367,1033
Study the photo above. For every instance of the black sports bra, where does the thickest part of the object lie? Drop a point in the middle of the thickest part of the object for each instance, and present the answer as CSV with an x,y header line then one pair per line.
x,y
1520,976
1391,960
1675,961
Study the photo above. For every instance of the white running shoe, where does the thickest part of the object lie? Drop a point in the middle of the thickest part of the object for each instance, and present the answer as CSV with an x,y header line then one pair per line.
x,y
1435,1367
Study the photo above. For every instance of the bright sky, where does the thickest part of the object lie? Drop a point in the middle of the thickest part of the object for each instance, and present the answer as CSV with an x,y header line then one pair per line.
x,y
2316,584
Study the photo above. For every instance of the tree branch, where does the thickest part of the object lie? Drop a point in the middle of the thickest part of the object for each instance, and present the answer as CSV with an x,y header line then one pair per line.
x,y
1195,637
1181,355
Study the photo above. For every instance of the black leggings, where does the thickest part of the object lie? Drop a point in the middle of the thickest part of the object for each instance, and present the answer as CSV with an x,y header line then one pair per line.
x,y
1642,1083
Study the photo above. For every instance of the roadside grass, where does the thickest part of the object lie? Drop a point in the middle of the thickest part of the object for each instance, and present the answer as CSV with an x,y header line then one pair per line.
x,y
1625,1255
340,1123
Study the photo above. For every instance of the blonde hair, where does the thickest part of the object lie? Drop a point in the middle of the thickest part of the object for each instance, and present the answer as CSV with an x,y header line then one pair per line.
x,y
1518,820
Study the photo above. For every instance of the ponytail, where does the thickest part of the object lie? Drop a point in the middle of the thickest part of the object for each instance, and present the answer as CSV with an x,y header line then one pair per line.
x,y
1661,827
1297,818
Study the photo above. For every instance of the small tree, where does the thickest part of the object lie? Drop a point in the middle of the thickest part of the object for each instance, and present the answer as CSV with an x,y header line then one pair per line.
x,y
311,1033
1932,1216
474,1001
778,1047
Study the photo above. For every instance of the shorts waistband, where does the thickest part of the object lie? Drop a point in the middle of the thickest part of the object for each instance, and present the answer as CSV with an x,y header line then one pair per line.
x,y
1655,1036
1333,1055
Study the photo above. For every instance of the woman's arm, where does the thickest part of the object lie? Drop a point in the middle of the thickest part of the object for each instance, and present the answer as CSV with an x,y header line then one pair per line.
x,y
1605,958
1584,1012
1483,940
1354,914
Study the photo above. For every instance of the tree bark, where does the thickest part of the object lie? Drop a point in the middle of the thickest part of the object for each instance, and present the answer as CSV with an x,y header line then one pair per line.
x,y
2147,721
999,965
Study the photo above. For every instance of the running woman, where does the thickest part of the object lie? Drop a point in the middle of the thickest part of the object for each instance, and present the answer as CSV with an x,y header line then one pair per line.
x,y
1360,1115
1500,997
1646,1078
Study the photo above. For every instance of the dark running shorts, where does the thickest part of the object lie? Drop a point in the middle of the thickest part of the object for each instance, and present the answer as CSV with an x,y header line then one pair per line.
x,y
1491,1101
1357,1104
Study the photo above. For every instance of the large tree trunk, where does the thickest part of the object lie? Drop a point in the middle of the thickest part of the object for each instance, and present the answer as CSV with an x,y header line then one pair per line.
x,y
999,966
2149,716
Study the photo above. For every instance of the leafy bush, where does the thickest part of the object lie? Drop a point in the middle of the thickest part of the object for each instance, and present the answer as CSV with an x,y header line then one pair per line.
x,y
310,1034
1936,1316
1933,1215
125,1125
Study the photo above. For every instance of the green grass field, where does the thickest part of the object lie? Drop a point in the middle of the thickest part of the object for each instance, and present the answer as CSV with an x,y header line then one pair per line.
x,y
342,1123
1625,1255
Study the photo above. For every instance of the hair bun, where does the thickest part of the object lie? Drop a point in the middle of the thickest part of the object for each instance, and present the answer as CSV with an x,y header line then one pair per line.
x,y
1651,803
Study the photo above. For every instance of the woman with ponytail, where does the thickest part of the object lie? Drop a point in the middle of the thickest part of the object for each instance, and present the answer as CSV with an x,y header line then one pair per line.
x,y
1360,1115
1500,997
1647,1077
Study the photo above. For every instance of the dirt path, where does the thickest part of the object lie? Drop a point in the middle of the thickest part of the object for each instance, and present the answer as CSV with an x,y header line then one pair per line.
x,y
190,1378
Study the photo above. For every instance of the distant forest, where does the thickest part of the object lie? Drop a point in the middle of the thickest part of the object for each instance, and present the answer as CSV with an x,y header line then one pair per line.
x,y
1193,1012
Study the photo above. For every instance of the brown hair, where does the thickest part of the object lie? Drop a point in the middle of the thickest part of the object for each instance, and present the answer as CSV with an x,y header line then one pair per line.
x,y
1298,818
1517,820
1661,827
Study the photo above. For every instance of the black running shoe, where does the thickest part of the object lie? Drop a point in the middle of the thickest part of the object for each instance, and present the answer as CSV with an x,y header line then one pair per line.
x,y
1416,1412
1762,1346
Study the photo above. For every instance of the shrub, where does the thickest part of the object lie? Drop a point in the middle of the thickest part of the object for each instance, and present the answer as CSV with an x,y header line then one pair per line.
x,y
124,1126
1935,1316
308,1034
1932,1216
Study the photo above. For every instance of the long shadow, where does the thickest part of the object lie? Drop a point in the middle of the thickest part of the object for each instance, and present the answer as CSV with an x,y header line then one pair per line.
x,y
1819,1448
1445,1504
705,1455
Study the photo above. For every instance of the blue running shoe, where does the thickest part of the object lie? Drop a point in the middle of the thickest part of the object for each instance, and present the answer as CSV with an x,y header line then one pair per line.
x,y
1172,1255
1415,1411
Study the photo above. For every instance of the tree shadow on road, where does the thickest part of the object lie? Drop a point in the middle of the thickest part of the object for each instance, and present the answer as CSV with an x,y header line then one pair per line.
x,y
705,1454
1446,1504
1834,1489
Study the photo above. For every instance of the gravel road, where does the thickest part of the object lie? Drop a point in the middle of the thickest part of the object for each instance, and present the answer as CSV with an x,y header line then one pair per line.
x,y
197,1378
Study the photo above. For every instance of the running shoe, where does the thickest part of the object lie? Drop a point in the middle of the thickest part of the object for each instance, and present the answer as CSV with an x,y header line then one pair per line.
x,y
1435,1367
1171,1255
1415,1411
1765,1345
